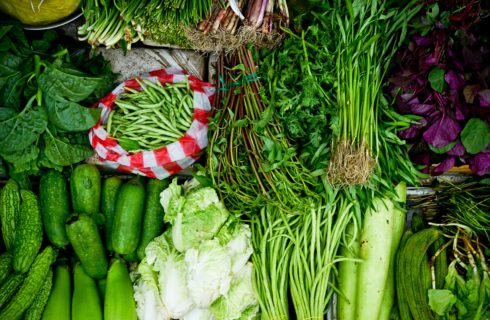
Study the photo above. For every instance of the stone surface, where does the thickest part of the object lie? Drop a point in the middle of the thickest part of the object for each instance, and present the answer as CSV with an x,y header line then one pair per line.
x,y
140,60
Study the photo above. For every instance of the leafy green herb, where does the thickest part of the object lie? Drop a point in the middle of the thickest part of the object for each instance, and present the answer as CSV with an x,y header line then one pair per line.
x,y
475,136
436,79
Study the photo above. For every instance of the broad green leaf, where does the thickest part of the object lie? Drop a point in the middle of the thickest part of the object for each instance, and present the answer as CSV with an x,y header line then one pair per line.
x,y
23,156
62,153
475,136
24,162
20,130
70,116
444,149
441,300
71,84
436,79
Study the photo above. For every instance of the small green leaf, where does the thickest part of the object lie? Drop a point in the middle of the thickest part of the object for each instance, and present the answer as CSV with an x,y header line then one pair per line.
x,y
62,153
20,130
70,116
441,300
444,149
436,79
475,136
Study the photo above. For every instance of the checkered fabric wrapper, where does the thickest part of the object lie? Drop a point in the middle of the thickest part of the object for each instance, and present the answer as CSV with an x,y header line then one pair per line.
x,y
167,160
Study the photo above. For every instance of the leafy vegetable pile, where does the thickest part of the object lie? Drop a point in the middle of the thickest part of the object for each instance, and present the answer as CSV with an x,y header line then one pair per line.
x,y
44,88
443,77
198,268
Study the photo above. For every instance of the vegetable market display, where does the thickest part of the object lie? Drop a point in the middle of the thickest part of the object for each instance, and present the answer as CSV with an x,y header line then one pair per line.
x,y
299,208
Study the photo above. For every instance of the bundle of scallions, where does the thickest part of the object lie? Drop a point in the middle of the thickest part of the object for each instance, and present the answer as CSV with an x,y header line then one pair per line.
x,y
111,22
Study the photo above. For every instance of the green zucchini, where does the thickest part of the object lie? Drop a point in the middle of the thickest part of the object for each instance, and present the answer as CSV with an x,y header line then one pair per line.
x,y
29,233
59,301
9,211
128,217
5,266
55,206
36,309
110,189
153,214
31,285
415,273
9,288
440,262
119,302
86,304
85,239
85,186
400,285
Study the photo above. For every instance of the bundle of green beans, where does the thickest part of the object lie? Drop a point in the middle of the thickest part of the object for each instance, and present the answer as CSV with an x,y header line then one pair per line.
x,y
153,117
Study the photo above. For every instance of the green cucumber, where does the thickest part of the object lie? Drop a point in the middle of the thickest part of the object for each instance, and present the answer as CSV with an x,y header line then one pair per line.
x,y
119,301
9,288
35,311
9,212
55,206
30,287
110,190
85,239
128,217
153,214
59,302
29,233
85,186
5,266
86,304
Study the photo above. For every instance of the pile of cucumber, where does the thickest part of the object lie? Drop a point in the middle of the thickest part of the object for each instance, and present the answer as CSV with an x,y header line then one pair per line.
x,y
93,227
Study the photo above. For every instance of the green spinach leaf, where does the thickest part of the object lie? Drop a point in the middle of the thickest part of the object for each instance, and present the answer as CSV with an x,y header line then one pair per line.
x,y
19,130
74,86
475,136
70,116
62,153
24,160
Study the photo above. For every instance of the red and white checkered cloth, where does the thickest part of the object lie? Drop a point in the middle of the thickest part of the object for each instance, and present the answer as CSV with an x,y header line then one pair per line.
x,y
168,160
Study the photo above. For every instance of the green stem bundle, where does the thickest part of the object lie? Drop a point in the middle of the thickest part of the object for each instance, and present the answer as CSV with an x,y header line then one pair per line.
x,y
250,160
367,35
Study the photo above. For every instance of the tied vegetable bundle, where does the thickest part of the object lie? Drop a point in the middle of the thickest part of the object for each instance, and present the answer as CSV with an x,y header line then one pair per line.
x,y
242,22
250,160
122,22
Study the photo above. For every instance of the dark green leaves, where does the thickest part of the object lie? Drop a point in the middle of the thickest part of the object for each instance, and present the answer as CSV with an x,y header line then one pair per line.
x,y
61,152
69,83
70,116
20,130
475,136
436,79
